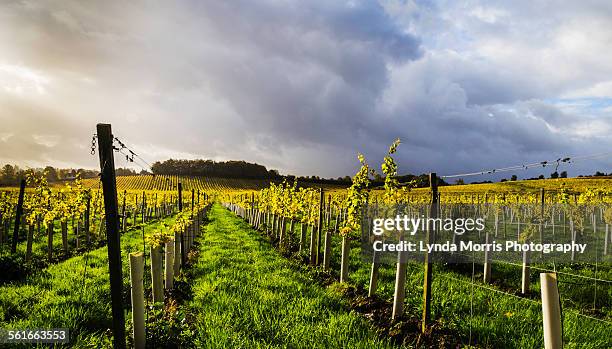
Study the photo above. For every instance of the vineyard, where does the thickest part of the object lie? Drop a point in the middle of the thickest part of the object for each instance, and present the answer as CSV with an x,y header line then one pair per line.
x,y
486,301
170,183
247,263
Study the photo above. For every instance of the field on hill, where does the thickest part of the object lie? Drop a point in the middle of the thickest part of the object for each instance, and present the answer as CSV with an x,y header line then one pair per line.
x,y
170,183
524,190
578,185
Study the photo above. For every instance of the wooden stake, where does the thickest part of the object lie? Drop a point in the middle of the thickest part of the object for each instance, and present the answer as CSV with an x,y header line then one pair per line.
x,y
18,214
109,189
433,182
50,241
319,227
64,227
29,242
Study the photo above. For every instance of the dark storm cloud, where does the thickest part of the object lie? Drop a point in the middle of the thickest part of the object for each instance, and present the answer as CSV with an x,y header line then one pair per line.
x,y
303,85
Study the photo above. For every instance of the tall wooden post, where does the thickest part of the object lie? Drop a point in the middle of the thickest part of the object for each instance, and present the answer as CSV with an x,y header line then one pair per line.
x,y
87,217
320,226
109,189
433,183
18,214
542,216
183,242
143,210
180,196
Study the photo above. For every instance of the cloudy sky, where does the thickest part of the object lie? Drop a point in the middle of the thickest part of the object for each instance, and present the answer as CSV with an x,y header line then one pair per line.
x,y
302,86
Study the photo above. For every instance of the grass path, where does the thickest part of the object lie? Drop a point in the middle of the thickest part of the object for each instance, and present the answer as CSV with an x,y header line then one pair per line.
x,y
246,295
57,298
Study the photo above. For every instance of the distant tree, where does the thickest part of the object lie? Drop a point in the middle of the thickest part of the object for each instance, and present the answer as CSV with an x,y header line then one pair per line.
x,y
503,180
51,174
273,173
459,181
513,178
87,173
563,174
227,169
554,175
9,174
125,172
599,174
541,176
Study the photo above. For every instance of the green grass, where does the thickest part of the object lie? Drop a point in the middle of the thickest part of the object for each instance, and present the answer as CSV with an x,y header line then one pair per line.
x,y
55,297
246,295
481,316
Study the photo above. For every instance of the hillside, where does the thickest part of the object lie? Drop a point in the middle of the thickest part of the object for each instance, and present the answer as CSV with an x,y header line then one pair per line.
x,y
164,182
572,184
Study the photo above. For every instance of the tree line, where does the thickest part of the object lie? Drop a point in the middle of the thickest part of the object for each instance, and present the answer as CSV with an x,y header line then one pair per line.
x,y
11,175
210,168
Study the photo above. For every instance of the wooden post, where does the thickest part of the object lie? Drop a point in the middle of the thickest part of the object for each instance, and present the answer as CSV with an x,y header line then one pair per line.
x,y
433,182
64,227
177,255
143,207
109,189
606,237
138,307
291,227
182,240
18,214
87,211
320,226
155,212
169,264
329,211
156,274
135,210
180,196
551,311
50,241
76,231
302,236
344,264
541,226
1,229
29,243
374,269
